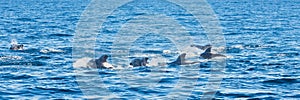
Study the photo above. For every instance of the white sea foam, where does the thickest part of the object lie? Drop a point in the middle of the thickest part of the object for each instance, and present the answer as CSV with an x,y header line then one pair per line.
x,y
51,50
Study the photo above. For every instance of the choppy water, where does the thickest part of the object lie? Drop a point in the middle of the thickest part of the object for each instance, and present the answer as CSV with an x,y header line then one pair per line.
x,y
262,42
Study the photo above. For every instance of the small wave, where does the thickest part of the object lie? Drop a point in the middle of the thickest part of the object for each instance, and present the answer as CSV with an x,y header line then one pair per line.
x,y
53,26
30,50
218,49
42,57
252,46
153,51
26,19
293,96
292,54
232,33
51,50
82,63
54,78
58,90
16,76
143,90
244,93
61,35
281,81
168,80
24,76
170,52
35,63
234,49
236,95
251,69
271,64
4,58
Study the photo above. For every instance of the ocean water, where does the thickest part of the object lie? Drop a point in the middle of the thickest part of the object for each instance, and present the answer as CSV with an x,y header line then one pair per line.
x,y
261,37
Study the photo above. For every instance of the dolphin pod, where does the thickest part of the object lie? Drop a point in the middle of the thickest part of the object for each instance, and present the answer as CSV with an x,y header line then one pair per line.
x,y
101,62
181,60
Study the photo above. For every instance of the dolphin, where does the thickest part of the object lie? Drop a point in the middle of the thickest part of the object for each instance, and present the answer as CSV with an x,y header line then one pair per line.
x,y
101,62
17,47
208,55
181,60
139,62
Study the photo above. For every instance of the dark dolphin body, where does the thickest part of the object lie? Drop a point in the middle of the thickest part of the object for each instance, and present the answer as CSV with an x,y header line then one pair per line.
x,y
208,55
181,60
100,62
16,47
139,62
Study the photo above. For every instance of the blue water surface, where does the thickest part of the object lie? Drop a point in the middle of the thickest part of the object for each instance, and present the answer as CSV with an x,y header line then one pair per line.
x,y
262,45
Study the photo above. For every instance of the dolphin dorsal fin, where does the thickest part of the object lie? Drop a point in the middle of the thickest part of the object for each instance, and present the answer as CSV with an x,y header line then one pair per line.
x,y
208,50
181,58
103,58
